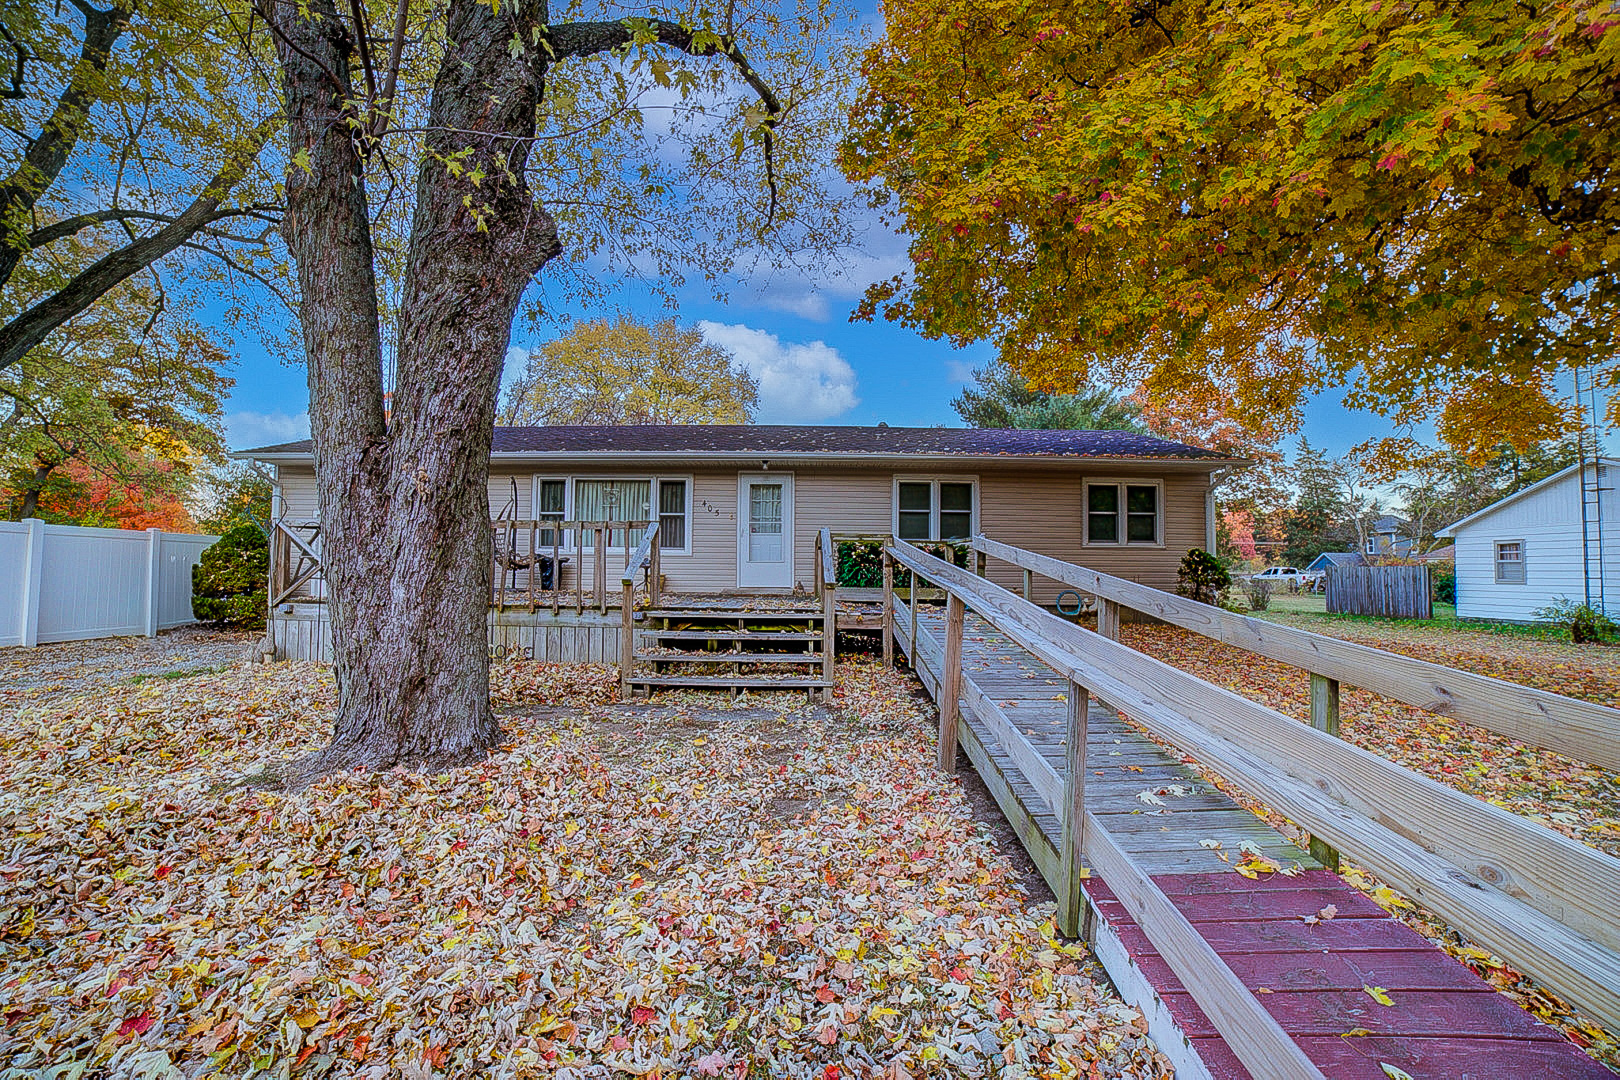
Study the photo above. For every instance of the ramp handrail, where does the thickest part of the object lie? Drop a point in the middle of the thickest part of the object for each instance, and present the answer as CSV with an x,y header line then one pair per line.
x,y
1538,898
643,557
1580,729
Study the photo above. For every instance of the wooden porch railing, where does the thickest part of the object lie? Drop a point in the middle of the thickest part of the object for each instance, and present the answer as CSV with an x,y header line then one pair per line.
x,y
1541,900
827,592
511,557
644,557
295,558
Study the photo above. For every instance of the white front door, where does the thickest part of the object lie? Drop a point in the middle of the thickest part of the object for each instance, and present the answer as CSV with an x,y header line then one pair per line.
x,y
765,530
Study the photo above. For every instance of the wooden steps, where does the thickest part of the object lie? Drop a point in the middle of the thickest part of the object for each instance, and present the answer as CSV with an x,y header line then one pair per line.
x,y
668,643
729,658
729,635
725,682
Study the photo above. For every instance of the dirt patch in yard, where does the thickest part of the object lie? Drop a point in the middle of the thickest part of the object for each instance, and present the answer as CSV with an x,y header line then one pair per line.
x,y
78,667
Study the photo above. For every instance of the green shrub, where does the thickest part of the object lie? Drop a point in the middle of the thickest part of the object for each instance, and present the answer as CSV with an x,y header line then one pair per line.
x,y
1586,624
1443,578
229,583
1202,577
860,564
1258,593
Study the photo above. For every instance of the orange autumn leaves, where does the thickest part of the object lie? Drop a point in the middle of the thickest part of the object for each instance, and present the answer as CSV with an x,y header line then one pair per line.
x,y
1230,207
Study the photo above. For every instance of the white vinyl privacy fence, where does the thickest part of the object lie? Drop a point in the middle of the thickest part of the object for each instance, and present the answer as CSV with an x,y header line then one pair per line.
x,y
65,583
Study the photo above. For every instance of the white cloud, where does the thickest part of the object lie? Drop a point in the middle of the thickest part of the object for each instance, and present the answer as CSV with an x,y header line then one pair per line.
x,y
244,430
798,383
805,290
958,371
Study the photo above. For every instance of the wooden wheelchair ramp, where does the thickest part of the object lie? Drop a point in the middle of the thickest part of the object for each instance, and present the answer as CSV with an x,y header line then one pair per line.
x,y
1283,975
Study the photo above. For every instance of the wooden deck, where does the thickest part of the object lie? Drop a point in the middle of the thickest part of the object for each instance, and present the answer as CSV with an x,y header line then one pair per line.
x,y
1445,1022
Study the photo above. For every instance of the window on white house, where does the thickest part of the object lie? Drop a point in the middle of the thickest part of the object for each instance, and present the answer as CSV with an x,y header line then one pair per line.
x,y
672,515
1510,562
934,509
1131,509
612,500
550,505
1372,545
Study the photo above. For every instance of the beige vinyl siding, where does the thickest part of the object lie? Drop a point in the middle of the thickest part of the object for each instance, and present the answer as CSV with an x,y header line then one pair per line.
x,y
1039,509
296,484
1044,512
845,502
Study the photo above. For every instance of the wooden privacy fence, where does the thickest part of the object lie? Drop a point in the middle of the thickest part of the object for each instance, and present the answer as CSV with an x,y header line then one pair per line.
x,y
1536,897
1394,592
1539,899
68,583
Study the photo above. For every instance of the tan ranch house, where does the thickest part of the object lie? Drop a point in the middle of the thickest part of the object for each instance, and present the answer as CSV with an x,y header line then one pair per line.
x,y
740,506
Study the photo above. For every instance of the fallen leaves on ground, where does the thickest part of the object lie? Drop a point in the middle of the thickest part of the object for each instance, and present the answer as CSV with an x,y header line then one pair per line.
x,y
68,668
668,890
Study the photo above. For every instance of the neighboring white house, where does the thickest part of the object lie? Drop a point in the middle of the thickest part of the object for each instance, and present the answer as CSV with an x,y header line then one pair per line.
x,y
1525,551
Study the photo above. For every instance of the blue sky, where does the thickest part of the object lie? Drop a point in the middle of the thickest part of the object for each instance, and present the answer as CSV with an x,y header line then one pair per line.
x,y
814,365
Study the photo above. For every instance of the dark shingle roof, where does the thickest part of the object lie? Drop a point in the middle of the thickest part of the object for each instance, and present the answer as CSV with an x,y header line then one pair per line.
x,y
818,441
1337,558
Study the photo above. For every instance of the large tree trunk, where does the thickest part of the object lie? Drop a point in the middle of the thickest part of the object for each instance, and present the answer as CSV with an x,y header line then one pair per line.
x,y
404,505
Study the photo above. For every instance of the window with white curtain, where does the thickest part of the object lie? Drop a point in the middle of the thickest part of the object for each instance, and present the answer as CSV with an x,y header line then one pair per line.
x,y
600,498
612,500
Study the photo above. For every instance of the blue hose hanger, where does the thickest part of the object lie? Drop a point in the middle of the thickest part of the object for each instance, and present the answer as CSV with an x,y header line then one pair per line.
x,y
1079,602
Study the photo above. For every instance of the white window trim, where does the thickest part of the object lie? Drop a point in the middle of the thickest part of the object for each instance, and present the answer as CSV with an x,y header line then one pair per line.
x,y
687,480
934,479
568,503
1496,563
535,481
1119,541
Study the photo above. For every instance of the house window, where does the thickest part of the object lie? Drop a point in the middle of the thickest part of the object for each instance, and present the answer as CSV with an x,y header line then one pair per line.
x,y
612,500
1510,562
550,502
672,515
1113,508
934,509
1372,545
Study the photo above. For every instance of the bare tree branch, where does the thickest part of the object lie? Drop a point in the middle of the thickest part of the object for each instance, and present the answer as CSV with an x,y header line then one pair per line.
x,y
583,39
58,230
49,150
32,326
17,73
383,110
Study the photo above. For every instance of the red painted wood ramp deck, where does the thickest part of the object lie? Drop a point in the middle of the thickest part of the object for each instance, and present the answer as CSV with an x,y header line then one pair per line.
x,y
1445,1024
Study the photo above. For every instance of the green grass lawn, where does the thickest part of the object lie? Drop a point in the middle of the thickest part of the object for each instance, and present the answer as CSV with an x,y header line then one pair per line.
x,y
1309,612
